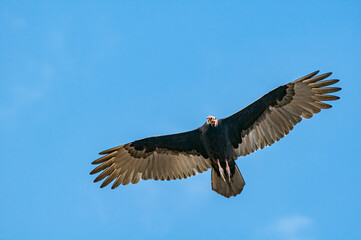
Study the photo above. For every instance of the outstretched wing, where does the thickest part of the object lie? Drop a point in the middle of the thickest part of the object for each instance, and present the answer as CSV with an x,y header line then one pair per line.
x,y
275,114
167,157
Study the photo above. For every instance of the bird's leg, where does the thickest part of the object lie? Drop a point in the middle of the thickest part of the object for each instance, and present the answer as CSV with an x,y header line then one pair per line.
x,y
228,171
221,171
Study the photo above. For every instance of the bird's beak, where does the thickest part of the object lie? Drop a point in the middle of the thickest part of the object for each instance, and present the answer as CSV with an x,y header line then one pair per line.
x,y
215,123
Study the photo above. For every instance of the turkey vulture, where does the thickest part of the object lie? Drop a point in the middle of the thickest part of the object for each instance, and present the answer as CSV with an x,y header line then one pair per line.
x,y
218,143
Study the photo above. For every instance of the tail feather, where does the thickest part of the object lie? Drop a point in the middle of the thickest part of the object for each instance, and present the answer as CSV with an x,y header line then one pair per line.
x,y
228,187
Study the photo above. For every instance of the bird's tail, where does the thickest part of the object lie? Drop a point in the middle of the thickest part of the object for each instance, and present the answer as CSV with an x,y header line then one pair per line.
x,y
228,187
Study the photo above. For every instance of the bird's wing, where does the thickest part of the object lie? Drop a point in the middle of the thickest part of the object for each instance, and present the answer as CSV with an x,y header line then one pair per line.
x,y
275,114
167,157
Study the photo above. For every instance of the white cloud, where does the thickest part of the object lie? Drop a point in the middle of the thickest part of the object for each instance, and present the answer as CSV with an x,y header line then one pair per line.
x,y
291,227
19,97
25,91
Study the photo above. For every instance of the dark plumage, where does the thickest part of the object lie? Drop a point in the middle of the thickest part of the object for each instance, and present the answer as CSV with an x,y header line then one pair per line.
x,y
218,143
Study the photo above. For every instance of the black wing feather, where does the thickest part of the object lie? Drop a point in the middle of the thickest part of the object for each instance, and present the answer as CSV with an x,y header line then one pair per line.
x,y
187,142
166,157
245,118
275,114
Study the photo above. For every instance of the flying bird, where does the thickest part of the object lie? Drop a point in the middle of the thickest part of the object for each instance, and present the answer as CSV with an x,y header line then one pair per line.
x,y
219,142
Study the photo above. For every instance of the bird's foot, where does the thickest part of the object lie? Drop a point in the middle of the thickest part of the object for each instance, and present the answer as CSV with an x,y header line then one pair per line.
x,y
221,171
228,171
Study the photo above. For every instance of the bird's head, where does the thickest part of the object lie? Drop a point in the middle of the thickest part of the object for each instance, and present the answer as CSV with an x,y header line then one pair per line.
x,y
212,120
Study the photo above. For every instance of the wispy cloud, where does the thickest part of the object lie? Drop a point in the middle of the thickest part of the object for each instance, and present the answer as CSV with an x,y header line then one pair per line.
x,y
19,97
20,94
291,227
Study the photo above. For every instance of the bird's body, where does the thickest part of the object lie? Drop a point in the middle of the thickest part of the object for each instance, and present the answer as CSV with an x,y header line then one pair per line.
x,y
219,148
218,143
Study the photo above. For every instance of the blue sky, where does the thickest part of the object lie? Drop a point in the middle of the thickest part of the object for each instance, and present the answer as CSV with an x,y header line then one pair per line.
x,y
78,77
